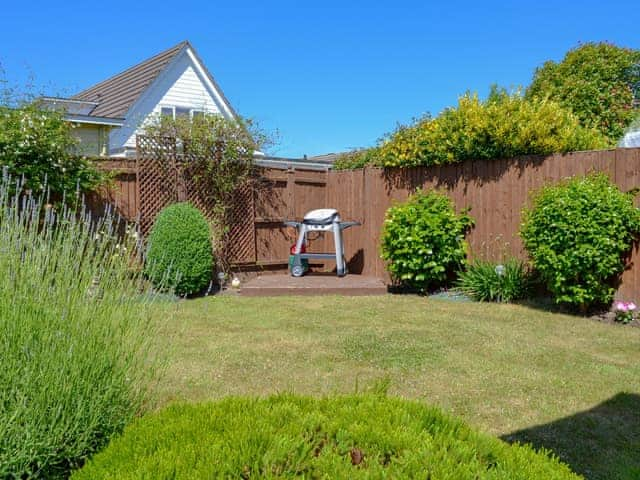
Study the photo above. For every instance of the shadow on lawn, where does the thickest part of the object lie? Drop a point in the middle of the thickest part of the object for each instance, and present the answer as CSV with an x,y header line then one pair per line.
x,y
600,443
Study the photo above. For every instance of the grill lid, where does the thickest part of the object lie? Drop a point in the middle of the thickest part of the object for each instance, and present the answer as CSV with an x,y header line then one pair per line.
x,y
321,216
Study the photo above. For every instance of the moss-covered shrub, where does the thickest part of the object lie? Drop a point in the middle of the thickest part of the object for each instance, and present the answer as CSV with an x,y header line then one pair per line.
x,y
287,436
486,281
180,250
576,234
423,240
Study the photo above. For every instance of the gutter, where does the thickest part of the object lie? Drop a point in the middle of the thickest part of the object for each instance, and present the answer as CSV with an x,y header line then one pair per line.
x,y
89,119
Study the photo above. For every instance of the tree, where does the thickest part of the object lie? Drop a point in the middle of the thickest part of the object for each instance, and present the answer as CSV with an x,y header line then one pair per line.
x,y
598,82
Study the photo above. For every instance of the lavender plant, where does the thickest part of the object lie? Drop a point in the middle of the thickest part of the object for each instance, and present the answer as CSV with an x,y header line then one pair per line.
x,y
75,335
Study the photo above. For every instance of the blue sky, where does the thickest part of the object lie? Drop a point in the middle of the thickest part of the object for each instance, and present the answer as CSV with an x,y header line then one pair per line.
x,y
327,75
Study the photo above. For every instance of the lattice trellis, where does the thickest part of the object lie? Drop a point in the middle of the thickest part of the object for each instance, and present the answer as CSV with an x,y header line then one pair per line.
x,y
166,176
241,240
157,178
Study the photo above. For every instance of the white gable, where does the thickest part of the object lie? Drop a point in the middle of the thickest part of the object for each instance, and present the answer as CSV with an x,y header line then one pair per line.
x,y
188,91
183,83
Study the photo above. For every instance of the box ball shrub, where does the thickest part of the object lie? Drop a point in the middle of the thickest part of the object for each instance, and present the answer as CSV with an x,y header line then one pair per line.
x,y
577,233
286,436
486,281
423,240
180,255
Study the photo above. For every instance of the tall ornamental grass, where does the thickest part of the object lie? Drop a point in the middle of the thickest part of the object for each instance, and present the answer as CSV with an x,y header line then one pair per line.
x,y
75,333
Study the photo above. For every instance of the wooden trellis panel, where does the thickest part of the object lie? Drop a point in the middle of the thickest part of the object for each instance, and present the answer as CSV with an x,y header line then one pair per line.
x,y
166,176
241,239
157,172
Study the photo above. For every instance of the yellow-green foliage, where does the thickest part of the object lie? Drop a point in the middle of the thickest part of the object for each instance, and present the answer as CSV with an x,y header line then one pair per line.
x,y
367,436
503,126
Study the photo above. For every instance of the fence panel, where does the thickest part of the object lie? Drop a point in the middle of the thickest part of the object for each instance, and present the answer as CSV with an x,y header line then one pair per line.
x,y
496,191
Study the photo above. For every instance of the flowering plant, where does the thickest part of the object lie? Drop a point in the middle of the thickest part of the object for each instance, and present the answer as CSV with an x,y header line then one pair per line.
x,y
624,311
37,145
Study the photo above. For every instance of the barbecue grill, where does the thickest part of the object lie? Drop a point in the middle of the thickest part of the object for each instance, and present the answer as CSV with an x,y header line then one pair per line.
x,y
321,220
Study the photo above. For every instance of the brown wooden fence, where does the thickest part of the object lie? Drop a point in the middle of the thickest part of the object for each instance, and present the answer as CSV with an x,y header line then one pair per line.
x,y
496,191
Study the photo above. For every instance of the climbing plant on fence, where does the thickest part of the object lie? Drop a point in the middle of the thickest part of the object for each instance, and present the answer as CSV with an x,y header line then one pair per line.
x,y
207,160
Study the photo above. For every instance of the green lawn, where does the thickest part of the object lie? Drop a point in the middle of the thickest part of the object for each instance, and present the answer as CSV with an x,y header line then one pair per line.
x,y
570,384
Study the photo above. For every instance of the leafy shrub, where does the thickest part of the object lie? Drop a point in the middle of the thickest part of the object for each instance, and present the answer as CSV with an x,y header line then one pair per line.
x,y
286,436
576,234
74,338
37,144
423,240
597,82
505,125
180,251
356,159
492,282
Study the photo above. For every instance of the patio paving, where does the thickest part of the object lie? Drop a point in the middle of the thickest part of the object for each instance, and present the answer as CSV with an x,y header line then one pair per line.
x,y
313,284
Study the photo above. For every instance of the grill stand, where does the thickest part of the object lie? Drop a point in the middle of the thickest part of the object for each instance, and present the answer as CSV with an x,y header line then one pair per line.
x,y
313,222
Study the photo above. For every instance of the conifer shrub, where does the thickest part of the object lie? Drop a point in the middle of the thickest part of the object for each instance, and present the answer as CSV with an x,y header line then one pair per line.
x,y
423,240
577,233
286,436
180,255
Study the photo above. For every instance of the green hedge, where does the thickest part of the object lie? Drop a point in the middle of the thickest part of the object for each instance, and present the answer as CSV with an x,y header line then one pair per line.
x,y
576,234
423,240
286,436
180,250
504,125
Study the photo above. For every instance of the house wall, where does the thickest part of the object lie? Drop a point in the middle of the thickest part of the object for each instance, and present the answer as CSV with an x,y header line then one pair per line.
x,y
181,84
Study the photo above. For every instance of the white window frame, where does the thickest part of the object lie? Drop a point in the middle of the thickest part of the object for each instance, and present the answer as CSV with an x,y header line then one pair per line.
x,y
173,110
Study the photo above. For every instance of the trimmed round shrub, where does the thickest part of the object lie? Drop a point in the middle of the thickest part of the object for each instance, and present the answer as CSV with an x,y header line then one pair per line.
x,y
577,233
180,251
286,436
423,240
486,281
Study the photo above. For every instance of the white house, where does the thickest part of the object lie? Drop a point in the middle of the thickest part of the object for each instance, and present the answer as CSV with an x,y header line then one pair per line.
x,y
110,114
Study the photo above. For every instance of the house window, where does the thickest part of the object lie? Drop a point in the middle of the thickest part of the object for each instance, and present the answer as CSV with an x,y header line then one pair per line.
x,y
180,112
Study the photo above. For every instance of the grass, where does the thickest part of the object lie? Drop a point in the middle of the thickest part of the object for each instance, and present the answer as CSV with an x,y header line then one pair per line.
x,y
568,383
